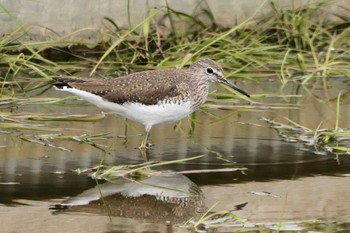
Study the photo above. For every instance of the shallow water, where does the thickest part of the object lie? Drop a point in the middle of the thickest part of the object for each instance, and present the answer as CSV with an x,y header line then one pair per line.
x,y
282,182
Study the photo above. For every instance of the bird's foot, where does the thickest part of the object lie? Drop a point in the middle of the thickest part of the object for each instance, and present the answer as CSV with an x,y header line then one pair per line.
x,y
145,146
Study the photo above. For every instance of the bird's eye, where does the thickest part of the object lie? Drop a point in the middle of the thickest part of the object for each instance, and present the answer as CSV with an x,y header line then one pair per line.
x,y
209,70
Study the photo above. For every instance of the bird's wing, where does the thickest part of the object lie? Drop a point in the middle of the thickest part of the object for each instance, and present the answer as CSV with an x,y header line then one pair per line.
x,y
144,87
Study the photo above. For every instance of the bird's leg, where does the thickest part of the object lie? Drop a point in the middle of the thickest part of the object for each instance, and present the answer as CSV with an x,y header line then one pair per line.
x,y
145,142
144,154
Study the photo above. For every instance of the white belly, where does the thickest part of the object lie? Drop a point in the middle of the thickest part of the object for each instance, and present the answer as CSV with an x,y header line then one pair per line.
x,y
150,115
147,115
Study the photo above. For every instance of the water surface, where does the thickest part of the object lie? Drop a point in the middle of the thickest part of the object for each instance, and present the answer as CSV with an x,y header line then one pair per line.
x,y
282,182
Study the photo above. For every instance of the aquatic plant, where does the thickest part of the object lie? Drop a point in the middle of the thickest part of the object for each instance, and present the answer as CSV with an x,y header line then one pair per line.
x,y
322,141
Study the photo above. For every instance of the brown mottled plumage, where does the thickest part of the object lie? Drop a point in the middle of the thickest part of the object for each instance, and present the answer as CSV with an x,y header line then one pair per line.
x,y
151,97
148,87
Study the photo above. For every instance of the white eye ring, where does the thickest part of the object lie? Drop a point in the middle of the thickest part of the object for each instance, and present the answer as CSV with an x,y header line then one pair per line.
x,y
209,70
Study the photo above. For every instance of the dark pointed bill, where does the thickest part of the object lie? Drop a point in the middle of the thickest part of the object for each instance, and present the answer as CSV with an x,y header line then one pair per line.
x,y
233,86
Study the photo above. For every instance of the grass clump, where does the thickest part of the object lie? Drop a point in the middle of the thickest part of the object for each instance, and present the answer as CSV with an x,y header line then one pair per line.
x,y
313,46
294,39
296,44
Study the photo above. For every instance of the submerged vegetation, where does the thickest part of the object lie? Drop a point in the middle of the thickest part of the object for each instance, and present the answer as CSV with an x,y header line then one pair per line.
x,y
323,141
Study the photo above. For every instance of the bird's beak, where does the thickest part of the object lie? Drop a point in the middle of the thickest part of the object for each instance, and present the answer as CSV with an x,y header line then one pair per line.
x,y
233,86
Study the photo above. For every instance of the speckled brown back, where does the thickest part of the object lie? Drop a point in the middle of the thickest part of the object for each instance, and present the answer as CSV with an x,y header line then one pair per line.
x,y
148,87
